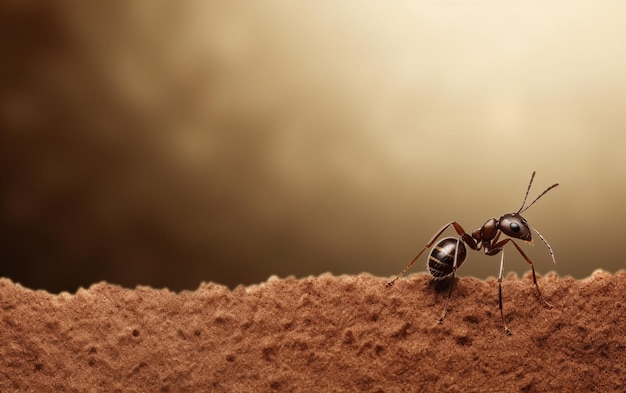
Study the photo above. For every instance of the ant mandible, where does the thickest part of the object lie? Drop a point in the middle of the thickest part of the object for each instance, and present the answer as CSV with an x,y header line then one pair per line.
x,y
449,253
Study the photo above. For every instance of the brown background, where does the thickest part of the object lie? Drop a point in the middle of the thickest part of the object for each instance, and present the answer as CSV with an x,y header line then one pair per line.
x,y
169,143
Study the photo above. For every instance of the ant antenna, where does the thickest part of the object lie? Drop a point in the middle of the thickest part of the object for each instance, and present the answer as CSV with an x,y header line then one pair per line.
x,y
527,191
522,209
545,242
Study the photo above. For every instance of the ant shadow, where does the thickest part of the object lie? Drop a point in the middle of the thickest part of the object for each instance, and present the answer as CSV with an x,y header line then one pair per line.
x,y
443,285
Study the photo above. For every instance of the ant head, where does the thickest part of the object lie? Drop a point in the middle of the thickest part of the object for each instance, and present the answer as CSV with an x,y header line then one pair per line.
x,y
515,226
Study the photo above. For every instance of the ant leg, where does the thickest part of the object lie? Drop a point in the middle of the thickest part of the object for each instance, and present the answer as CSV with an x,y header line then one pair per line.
x,y
495,239
506,328
459,229
532,266
390,283
445,307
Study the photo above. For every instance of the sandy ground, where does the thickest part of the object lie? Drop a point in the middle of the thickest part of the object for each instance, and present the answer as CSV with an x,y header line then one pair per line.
x,y
326,333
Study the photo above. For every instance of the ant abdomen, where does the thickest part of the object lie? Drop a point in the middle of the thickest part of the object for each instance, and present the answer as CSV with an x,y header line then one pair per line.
x,y
441,258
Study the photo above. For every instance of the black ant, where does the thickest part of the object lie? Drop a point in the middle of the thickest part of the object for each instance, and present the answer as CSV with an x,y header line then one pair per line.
x,y
449,253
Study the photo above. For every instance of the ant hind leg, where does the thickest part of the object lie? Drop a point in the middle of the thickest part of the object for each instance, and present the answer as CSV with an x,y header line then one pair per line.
x,y
445,306
454,267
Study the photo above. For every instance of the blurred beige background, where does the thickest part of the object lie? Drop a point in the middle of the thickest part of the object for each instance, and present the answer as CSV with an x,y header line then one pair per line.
x,y
169,143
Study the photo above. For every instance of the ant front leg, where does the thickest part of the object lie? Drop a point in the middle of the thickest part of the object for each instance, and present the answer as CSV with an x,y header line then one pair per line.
x,y
459,230
532,266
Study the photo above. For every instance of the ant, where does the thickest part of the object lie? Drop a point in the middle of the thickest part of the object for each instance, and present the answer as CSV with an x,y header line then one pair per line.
x,y
449,254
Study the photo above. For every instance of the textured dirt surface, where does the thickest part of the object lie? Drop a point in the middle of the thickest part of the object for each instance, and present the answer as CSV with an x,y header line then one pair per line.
x,y
325,333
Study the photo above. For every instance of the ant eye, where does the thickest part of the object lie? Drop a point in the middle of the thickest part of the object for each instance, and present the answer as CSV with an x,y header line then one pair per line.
x,y
515,227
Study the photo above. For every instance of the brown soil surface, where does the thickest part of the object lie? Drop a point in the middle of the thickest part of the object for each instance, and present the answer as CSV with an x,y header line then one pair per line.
x,y
326,333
